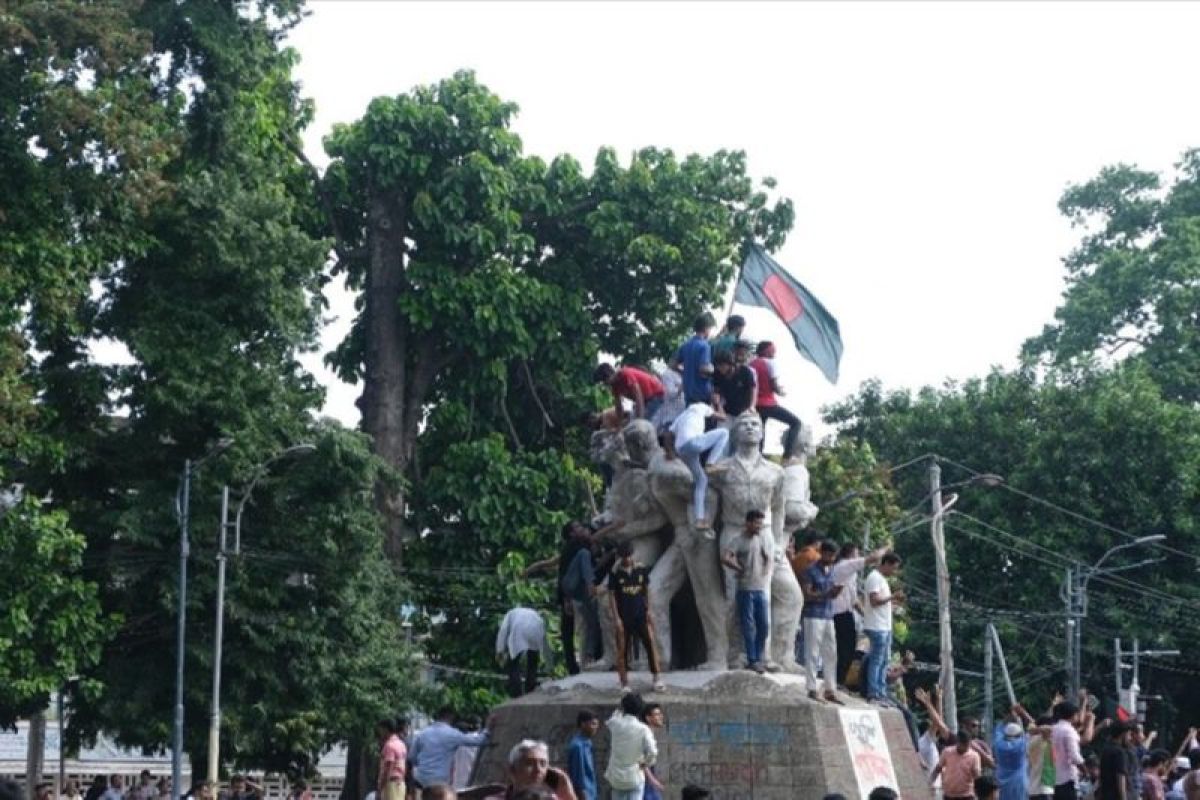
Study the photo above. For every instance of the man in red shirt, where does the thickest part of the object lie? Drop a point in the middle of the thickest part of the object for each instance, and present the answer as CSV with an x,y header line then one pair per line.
x,y
392,757
766,402
630,383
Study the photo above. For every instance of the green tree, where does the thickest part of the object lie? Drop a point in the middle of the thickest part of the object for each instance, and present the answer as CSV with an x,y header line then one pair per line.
x,y
52,626
161,206
1133,283
484,272
1104,445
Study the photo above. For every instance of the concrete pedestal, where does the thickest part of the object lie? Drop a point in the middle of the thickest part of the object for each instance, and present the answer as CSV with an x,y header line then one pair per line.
x,y
741,735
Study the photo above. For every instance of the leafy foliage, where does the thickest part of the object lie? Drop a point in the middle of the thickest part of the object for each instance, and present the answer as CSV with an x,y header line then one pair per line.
x,y
52,625
1105,445
1134,280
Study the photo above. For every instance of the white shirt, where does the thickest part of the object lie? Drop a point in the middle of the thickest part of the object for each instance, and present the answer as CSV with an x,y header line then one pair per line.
x,y
672,399
1064,745
690,423
877,618
521,630
928,753
845,574
631,747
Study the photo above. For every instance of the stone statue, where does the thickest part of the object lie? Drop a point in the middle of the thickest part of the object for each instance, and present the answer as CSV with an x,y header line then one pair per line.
x,y
635,515
800,510
692,555
747,481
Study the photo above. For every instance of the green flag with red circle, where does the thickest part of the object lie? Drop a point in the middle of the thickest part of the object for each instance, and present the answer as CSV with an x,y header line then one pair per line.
x,y
763,282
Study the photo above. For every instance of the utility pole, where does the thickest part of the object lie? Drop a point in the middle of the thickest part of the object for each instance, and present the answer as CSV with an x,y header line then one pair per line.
x,y
937,532
180,633
214,723
1137,654
988,701
1076,602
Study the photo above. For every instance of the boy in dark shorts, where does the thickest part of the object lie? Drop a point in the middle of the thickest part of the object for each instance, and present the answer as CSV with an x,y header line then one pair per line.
x,y
629,588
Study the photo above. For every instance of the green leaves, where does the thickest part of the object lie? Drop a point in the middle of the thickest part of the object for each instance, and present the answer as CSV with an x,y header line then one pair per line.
x,y
1133,282
51,625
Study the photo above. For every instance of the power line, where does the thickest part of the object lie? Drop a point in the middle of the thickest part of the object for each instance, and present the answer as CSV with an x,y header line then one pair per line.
x,y
1073,514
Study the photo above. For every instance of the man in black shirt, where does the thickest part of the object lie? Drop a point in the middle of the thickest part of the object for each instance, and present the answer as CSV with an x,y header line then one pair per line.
x,y
1116,771
735,383
629,588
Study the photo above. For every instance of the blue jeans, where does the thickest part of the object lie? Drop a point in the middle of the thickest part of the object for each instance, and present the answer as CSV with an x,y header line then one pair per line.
x,y
877,662
690,451
752,616
652,406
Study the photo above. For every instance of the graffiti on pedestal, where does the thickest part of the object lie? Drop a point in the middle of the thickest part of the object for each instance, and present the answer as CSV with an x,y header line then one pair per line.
x,y
868,750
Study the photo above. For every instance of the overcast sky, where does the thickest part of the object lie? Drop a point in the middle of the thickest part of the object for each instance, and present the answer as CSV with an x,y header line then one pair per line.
x,y
925,145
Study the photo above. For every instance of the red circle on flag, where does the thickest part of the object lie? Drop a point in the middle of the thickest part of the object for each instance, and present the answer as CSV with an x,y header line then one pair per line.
x,y
783,299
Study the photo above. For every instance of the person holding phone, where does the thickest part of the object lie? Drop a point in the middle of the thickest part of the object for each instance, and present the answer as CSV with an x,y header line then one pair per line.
x,y
820,640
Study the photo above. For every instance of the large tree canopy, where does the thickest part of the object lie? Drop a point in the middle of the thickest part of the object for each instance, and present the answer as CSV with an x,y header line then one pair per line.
x,y
153,201
1133,284
1105,446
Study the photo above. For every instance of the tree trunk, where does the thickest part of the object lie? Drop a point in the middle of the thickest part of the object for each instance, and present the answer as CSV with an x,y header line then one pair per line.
x,y
386,356
35,754
356,781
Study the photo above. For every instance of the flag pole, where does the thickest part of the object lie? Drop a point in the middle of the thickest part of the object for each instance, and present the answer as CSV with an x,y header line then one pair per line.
x,y
738,279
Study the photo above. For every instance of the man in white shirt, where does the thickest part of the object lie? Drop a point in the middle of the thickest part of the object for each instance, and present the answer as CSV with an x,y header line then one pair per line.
x,y
631,747
688,439
845,574
1064,746
522,633
877,623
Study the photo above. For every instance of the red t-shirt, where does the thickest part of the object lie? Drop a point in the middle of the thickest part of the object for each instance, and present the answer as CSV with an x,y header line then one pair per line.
x,y
628,377
764,370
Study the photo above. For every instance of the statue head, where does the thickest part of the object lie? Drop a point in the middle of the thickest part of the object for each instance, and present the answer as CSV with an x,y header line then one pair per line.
x,y
747,430
641,442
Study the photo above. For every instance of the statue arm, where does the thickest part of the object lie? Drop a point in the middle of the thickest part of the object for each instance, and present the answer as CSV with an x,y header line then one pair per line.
x,y
778,513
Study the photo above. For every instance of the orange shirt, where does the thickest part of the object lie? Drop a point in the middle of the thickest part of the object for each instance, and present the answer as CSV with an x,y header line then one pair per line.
x,y
959,771
805,558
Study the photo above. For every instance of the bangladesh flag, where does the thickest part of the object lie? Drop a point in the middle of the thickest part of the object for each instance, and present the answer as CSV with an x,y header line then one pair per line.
x,y
764,283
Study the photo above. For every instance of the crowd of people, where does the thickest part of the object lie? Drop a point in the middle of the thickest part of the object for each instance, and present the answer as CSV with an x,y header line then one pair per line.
x,y
440,760
1064,754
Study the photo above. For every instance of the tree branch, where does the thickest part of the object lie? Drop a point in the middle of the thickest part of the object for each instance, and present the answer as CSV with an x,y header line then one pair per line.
x,y
512,429
345,253
533,390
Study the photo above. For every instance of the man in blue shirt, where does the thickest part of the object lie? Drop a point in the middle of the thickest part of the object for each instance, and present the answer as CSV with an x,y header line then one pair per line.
x,y
432,753
694,361
820,640
581,767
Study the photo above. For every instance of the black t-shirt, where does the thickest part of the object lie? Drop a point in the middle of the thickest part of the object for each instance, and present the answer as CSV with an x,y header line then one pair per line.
x,y
1114,771
629,588
737,389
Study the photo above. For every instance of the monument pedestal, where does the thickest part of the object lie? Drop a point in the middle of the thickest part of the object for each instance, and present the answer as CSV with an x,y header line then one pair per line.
x,y
741,735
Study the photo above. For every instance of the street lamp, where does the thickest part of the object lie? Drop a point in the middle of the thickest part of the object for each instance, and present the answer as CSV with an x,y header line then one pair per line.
x,y
937,532
1076,599
214,726
183,501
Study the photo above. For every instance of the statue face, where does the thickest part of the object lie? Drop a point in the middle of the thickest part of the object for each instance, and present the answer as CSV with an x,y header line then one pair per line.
x,y
640,440
748,429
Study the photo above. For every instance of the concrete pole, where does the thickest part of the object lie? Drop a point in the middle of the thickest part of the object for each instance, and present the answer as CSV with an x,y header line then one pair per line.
x,y
1135,687
214,724
1117,668
989,712
937,532
180,633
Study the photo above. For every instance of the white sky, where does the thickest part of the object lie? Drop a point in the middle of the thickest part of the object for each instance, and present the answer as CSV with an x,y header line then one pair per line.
x,y
925,145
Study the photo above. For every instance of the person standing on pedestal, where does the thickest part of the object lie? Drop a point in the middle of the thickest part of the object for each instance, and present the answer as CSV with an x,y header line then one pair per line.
x,y
522,636
877,621
820,642
750,557
629,588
